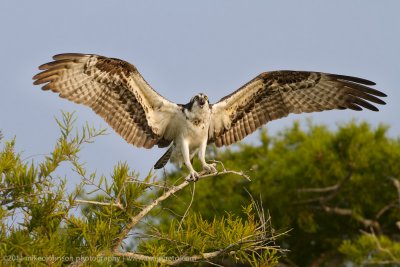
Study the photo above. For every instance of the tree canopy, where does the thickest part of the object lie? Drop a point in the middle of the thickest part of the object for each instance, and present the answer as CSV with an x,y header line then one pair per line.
x,y
317,197
337,191
113,220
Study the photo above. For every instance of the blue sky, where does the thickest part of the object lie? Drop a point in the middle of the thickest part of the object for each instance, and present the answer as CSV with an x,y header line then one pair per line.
x,y
185,47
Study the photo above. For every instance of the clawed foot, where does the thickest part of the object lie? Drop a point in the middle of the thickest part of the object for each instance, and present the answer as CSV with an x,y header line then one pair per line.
x,y
209,168
193,177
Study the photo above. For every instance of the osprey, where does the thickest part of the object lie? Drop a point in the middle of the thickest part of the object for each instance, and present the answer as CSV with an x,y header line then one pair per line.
x,y
116,91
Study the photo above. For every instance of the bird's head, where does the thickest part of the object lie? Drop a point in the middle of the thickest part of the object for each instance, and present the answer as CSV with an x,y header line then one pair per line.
x,y
199,101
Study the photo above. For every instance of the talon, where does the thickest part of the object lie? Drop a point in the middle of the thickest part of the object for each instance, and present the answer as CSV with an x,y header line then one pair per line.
x,y
193,177
209,168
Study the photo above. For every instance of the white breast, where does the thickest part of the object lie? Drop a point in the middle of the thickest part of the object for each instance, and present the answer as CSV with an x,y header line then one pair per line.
x,y
190,129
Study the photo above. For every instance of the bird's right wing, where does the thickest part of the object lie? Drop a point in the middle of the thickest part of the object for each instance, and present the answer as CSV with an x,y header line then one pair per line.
x,y
115,90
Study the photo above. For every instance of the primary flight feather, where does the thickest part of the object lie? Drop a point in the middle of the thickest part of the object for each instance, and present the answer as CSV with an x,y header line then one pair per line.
x,y
116,91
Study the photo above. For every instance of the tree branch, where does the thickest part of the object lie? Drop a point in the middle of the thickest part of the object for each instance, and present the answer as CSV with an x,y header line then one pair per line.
x,y
334,189
394,259
386,208
135,180
98,203
172,260
348,212
396,184
319,190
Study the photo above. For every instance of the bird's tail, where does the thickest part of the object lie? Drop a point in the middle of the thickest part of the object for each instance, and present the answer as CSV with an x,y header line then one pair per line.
x,y
164,159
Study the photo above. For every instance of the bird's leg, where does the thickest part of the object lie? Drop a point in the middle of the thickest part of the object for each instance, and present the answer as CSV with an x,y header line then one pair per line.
x,y
194,176
207,168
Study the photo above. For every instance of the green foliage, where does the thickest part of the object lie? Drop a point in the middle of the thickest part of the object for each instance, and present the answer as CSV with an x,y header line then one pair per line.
x,y
32,200
324,185
105,218
371,250
337,192
242,239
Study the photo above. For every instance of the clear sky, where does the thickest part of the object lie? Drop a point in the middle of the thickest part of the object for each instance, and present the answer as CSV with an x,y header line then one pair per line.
x,y
185,47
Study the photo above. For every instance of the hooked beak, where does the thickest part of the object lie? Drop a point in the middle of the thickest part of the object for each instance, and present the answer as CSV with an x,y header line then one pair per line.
x,y
202,102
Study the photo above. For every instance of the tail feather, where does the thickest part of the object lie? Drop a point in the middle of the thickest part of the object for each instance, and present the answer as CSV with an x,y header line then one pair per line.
x,y
164,159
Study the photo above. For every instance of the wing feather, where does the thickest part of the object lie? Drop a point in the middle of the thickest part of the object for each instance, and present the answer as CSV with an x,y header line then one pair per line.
x,y
273,95
115,90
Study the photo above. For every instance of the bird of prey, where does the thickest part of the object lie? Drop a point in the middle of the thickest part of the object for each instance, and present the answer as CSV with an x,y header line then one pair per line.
x,y
116,91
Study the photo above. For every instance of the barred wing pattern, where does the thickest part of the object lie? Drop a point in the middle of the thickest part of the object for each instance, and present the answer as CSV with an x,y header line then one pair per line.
x,y
273,95
115,90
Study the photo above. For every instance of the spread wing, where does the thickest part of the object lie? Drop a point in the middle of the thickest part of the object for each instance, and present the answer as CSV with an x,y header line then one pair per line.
x,y
273,95
115,90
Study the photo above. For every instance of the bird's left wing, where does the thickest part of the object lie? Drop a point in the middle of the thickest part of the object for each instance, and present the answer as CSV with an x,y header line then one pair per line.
x,y
115,90
273,95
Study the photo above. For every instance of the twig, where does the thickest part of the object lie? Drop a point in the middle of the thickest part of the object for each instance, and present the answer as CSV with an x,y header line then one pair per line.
x,y
385,250
386,208
134,180
5,201
172,211
214,264
98,203
118,197
86,180
219,162
260,212
187,209
19,186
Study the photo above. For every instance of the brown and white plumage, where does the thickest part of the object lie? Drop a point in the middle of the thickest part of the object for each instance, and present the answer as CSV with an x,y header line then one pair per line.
x,y
116,91
273,95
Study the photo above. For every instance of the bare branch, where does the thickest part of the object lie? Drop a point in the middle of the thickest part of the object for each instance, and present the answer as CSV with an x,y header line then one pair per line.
x,y
384,250
135,180
219,162
339,211
168,260
335,189
319,190
192,258
187,209
348,212
385,209
98,203
396,184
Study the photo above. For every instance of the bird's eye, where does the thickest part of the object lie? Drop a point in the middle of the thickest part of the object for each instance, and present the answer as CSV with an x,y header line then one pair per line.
x,y
206,97
196,98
